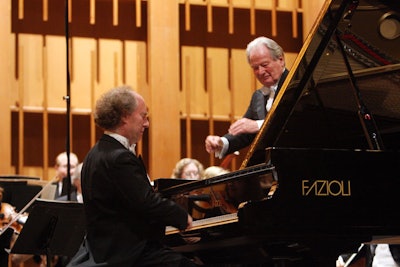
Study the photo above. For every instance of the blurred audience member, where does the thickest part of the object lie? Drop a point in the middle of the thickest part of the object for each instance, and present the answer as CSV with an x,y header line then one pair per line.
x,y
214,171
188,168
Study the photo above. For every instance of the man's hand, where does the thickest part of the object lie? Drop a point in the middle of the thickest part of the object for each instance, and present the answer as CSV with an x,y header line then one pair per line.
x,y
213,144
243,125
190,239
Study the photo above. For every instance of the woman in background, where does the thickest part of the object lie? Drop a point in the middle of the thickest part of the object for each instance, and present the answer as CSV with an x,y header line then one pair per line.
x,y
188,168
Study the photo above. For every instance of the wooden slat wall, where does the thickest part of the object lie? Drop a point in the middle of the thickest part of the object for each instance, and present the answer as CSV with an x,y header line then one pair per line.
x,y
7,80
163,70
209,84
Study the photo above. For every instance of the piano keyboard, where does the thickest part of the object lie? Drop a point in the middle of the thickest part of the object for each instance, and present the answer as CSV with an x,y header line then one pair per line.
x,y
208,222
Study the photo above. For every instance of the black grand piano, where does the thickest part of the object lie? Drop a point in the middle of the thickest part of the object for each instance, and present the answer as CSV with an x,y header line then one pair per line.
x,y
331,174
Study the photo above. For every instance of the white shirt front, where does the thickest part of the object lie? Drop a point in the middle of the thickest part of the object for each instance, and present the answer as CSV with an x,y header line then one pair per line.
x,y
383,257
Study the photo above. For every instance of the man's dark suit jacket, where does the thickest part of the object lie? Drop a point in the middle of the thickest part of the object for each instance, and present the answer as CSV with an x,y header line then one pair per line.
x,y
122,210
64,189
255,111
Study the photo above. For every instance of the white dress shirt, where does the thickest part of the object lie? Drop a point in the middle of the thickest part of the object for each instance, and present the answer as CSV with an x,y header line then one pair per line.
x,y
383,257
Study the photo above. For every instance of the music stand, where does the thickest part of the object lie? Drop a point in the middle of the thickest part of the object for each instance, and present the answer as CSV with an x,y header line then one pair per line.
x,y
5,241
53,228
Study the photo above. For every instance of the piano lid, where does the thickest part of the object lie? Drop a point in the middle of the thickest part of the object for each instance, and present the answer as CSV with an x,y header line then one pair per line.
x,y
343,89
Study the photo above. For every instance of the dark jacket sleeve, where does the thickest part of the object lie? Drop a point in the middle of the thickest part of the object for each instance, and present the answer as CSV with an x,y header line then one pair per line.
x,y
134,187
255,111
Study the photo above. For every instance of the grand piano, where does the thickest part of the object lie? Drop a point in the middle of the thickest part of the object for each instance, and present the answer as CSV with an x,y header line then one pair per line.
x,y
331,174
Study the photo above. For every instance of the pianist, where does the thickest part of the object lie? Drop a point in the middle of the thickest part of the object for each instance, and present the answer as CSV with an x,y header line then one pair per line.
x,y
267,60
125,218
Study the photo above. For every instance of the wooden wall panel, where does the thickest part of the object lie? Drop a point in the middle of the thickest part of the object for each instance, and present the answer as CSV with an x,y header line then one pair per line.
x,y
57,69
7,79
105,54
163,67
243,82
136,66
218,87
110,63
82,73
311,8
31,69
193,82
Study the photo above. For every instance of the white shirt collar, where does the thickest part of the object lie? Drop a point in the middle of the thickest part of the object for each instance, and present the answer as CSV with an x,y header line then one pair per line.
x,y
266,90
123,140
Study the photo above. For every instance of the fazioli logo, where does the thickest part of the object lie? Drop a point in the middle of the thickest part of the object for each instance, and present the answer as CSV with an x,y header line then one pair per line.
x,y
326,188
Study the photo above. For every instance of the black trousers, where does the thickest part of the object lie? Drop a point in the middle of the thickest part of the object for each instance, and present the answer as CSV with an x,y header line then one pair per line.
x,y
155,254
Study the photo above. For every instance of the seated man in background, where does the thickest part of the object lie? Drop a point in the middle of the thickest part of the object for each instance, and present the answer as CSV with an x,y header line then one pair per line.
x,y
76,195
61,166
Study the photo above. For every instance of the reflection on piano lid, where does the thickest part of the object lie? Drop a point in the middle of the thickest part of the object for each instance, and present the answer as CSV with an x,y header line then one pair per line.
x,y
163,183
221,194
333,139
186,186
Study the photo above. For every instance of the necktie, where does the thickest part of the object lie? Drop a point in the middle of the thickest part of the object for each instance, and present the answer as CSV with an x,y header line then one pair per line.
x,y
268,100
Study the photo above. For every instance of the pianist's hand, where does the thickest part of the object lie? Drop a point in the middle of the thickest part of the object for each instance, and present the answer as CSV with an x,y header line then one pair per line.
x,y
189,222
190,238
243,125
